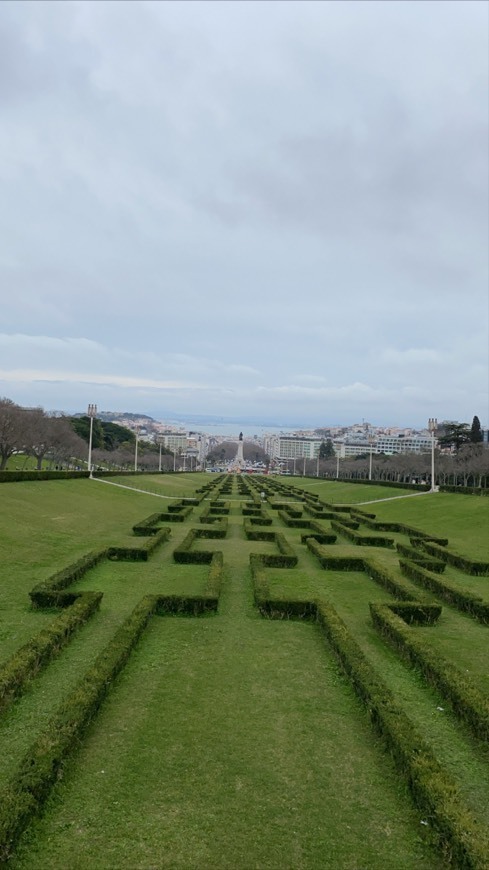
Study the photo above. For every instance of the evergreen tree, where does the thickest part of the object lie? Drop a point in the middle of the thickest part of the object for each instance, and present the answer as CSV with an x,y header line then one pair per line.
x,y
326,450
476,431
455,435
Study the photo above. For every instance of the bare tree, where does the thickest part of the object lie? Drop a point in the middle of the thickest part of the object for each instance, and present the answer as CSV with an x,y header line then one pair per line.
x,y
11,430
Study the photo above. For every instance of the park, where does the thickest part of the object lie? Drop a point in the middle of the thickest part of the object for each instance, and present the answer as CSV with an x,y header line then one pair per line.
x,y
236,671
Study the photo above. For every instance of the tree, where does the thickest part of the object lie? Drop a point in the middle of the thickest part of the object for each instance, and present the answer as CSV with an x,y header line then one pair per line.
x,y
476,431
12,426
455,435
326,450
39,434
81,425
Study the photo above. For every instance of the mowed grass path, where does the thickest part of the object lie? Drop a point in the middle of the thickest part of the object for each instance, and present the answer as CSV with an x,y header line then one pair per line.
x,y
229,742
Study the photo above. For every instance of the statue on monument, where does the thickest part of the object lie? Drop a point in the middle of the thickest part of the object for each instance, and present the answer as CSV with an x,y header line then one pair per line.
x,y
240,456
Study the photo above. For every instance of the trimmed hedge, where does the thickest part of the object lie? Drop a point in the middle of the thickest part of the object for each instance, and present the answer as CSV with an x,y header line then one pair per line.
x,y
148,526
468,566
361,540
49,592
395,585
415,554
275,608
254,534
195,605
292,521
463,600
27,661
465,490
467,701
15,476
285,558
41,767
183,554
463,841
332,562
413,612
320,537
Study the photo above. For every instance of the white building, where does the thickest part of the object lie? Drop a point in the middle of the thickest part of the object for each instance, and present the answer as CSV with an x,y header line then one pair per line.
x,y
292,447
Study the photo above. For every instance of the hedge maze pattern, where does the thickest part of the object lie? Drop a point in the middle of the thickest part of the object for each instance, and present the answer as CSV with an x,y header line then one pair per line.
x,y
293,524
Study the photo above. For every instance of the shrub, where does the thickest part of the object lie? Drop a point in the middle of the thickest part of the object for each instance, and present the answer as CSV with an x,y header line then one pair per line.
x,y
25,663
49,594
469,566
463,600
468,703
433,790
41,766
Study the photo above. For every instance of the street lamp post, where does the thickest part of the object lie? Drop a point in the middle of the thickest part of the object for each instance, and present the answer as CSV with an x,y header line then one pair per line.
x,y
136,450
433,426
317,467
92,412
371,442
161,444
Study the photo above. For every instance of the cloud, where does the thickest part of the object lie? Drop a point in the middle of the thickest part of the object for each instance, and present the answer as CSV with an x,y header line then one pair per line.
x,y
228,208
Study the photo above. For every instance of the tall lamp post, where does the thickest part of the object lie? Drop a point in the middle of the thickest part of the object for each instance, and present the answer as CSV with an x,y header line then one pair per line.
x,y
136,450
371,442
433,426
161,444
92,412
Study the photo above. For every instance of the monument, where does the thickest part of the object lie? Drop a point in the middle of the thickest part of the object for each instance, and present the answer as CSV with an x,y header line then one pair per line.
x,y
239,456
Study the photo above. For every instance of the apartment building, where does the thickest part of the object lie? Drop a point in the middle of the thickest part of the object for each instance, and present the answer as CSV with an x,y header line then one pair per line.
x,y
292,447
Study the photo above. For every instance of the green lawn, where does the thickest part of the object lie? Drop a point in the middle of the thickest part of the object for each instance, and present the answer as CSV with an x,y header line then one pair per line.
x,y
229,741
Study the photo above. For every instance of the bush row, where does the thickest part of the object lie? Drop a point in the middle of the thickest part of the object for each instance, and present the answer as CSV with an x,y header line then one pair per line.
x,y
262,520
462,840
41,767
195,605
25,663
413,612
332,562
254,534
415,554
320,537
49,593
285,558
416,487
183,554
403,529
361,540
277,607
463,600
13,476
395,585
467,701
294,523
465,490
148,525
468,566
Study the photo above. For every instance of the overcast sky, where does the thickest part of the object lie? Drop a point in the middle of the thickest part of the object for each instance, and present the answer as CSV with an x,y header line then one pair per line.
x,y
275,210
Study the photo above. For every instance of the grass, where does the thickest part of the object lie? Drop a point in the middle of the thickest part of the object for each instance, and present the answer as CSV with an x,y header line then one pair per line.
x,y
228,741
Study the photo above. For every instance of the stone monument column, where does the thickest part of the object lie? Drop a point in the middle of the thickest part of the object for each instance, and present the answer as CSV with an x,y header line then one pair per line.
x,y
239,456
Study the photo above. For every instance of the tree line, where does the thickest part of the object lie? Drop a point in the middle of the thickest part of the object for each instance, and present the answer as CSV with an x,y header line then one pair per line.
x,y
63,440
